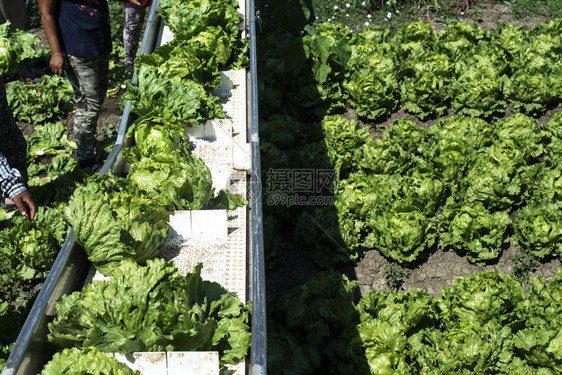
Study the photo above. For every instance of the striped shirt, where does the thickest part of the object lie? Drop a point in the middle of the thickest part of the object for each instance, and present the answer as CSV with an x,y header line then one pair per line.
x,y
11,183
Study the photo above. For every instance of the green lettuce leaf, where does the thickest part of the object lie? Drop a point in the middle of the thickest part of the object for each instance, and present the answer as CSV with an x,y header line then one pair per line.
x,y
85,361
538,229
156,132
38,242
412,39
187,100
15,45
48,100
424,84
153,308
481,298
113,225
475,232
176,180
468,348
460,39
477,91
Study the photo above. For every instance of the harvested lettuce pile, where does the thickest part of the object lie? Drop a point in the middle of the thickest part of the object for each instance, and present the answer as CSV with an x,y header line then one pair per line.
x,y
113,224
153,308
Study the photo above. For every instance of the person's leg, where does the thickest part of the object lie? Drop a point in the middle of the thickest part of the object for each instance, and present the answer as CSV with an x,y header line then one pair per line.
x,y
83,74
134,19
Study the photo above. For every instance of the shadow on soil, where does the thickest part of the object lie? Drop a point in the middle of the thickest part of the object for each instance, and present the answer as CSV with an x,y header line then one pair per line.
x,y
312,317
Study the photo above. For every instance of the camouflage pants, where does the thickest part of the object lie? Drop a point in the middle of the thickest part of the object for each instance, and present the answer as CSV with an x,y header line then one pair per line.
x,y
134,19
89,79
12,142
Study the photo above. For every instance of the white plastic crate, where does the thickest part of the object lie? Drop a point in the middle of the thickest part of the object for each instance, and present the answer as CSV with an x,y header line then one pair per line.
x,y
172,363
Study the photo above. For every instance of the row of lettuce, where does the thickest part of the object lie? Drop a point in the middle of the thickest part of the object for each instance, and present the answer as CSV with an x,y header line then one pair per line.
x,y
122,222
456,184
470,183
463,67
484,324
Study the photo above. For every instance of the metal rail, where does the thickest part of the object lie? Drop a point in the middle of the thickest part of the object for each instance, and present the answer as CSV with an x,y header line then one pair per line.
x,y
149,43
258,356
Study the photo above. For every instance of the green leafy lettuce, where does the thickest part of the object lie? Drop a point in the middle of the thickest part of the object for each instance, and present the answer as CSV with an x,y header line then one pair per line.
x,y
153,308
208,25
156,132
33,246
476,90
474,231
181,60
371,83
49,139
85,361
538,229
15,45
481,298
187,100
495,184
343,137
424,84
113,225
387,324
413,39
538,344
48,100
176,180
460,39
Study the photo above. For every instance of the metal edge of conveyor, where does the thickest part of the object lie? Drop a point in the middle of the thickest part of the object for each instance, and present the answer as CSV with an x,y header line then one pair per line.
x,y
150,41
258,354
31,350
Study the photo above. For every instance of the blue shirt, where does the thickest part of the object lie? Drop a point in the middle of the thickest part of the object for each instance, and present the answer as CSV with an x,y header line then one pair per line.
x,y
84,27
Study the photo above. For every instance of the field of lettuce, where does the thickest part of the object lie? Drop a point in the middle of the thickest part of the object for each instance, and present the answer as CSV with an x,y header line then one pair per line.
x,y
411,189
433,247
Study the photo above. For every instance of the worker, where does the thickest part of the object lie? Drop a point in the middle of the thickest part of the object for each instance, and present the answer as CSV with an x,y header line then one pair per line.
x,y
135,11
13,162
79,35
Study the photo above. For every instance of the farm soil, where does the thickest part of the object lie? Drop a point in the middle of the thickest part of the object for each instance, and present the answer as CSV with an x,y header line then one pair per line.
x,y
110,114
441,267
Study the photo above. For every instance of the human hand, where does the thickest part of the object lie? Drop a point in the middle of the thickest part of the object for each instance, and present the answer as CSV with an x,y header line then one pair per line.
x,y
26,206
134,2
57,64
